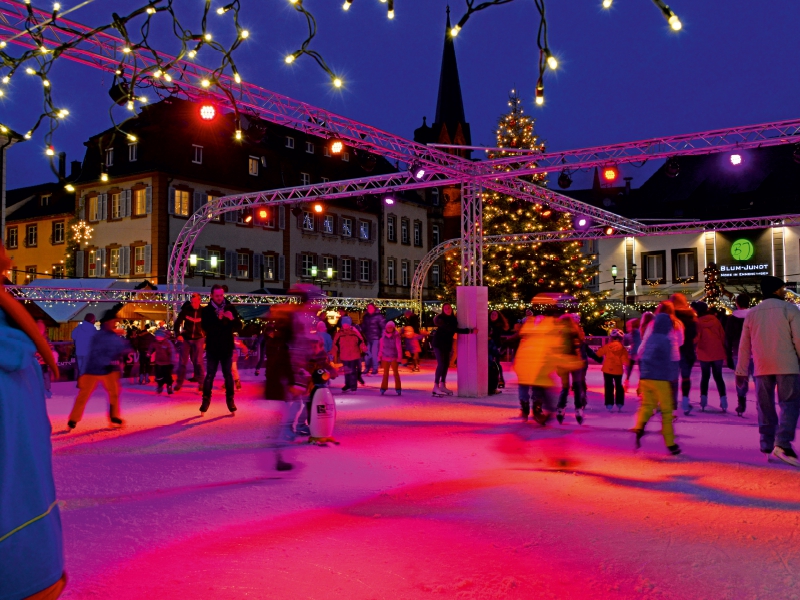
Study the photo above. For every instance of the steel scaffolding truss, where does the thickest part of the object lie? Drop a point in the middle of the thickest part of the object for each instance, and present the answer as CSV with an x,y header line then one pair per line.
x,y
471,234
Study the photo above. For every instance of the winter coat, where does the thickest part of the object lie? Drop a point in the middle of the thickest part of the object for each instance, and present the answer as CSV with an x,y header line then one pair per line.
x,y
689,320
539,352
615,358
143,341
656,358
82,337
710,340
412,344
106,351
372,326
446,329
348,344
190,318
676,336
733,330
390,347
164,352
326,339
31,559
771,332
634,340
219,331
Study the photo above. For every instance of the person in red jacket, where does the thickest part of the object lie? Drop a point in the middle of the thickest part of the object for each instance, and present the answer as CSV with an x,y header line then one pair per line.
x,y
615,359
710,347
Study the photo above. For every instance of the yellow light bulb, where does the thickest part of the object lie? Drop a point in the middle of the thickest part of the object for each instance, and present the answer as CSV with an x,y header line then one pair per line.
x,y
245,34
50,151
167,77
207,37
56,6
27,136
289,59
158,74
220,11
337,83
607,3
103,176
391,14
346,5
70,188
552,62
454,31
192,53
237,78
539,100
30,71
131,137
1,93
238,134
130,105
45,83
151,10
675,23
126,50
2,44
205,83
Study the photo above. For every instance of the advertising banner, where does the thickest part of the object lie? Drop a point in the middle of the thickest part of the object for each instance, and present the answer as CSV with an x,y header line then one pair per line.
x,y
744,255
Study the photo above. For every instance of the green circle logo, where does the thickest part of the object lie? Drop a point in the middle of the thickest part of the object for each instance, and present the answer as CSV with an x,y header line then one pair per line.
x,y
742,249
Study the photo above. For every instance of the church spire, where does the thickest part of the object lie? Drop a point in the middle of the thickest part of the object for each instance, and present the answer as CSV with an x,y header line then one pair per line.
x,y
449,104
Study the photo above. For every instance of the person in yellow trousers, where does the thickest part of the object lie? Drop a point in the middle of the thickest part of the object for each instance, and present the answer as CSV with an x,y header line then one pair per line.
x,y
106,352
657,370
541,343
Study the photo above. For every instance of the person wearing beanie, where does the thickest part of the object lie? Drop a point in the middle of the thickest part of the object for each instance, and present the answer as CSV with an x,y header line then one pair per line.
x,y
105,353
162,356
733,333
390,351
657,370
348,346
372,327
688,319
615,359
771,335
710,348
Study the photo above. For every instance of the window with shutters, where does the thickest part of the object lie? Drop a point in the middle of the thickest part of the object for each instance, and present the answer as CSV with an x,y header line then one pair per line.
x,y
684,265
390,270
113,261
139,203
109,157
326,150
133,152
654,267
243,265
11,237
347,269
58,271
404,239
116,205
310,147
435,276
391,223
327,267
305,179
308,221
347,227
404,273
328,225
93,210
289,142
197,154
182,203
418,233
364,230
252,165
436,237
57,235
364,269
31,236
270,274
138,260
269,221
306,263
31,272
92,262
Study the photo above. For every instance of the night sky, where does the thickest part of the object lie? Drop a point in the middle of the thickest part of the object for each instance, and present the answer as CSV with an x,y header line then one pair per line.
x,y
623,74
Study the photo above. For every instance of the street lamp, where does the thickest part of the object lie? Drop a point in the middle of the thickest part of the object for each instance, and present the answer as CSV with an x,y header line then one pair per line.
x,y
624,282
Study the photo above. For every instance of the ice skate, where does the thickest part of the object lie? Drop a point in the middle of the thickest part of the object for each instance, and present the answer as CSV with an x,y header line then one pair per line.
x,y
383,392
204,406
560,416
786,455
282,465
437,392
116,422
579,415
231,405
741,406
238,384
609,407
169,390
639,435
71,425
674,449
444,389
619,408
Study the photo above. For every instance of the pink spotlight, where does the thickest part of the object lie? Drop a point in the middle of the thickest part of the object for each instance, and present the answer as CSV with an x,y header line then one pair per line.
x,y
582,223
736,159
389,200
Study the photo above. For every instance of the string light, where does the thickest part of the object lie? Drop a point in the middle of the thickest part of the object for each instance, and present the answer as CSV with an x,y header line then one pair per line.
x,y
607,3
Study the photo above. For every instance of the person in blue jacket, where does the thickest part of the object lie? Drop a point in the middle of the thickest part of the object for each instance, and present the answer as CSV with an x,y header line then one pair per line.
x,y
31,543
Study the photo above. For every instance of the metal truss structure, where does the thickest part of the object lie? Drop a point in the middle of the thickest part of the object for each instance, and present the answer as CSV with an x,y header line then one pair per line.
x,y
53,295
471,234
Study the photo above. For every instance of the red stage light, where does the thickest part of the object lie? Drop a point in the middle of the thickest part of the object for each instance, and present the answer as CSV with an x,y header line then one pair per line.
x,y
610,173
318,208
248,218
262,214
208,112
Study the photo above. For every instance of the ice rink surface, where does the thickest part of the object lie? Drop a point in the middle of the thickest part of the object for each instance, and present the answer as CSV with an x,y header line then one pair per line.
x,y
424,498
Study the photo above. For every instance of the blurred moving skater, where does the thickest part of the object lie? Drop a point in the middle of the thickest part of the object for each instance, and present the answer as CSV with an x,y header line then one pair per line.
x,y
31,542
189,329
82,337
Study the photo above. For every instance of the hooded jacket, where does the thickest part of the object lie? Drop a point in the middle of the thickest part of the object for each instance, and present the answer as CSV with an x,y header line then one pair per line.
x,y
347,343
689,320
539,353
656,359
733,329
372,326
710,340
615,358
771,332
390,347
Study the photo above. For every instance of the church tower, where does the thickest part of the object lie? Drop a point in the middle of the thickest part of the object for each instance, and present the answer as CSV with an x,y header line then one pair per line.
x,y
449,127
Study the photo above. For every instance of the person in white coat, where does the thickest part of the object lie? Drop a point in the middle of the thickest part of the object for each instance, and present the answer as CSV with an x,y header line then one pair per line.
x,y
771,334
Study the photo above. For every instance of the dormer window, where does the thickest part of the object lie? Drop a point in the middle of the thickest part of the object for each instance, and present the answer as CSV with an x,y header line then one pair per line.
x,y
45,200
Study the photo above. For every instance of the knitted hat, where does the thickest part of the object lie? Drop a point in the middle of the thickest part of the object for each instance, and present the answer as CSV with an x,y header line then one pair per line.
x,y
390,325
616,333
161,334
770,285
347,321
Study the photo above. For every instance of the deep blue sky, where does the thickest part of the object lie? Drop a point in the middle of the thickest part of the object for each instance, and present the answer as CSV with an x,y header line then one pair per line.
x,y
623,76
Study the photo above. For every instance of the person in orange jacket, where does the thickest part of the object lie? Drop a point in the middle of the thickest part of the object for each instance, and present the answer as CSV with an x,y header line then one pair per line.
x,y
710,347
615,359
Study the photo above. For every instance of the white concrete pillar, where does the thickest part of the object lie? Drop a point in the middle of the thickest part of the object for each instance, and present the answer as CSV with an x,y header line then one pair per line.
x,y
472,303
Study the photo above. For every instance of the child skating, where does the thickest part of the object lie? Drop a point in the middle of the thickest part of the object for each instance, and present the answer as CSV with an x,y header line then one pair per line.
x,y
615,359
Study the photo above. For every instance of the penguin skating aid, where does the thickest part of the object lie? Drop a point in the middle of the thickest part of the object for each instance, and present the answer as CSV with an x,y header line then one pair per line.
x,y
322,411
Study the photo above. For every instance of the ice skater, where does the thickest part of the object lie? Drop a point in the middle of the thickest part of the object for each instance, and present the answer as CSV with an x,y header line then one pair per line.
x,y
573,366
615,359
538,354
163,357
657,369
219,321
349,345
733,333
189,330
390,351
710,347
446,328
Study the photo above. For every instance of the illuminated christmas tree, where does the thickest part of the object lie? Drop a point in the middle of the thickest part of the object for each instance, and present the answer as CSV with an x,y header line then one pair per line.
x,y
520,272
